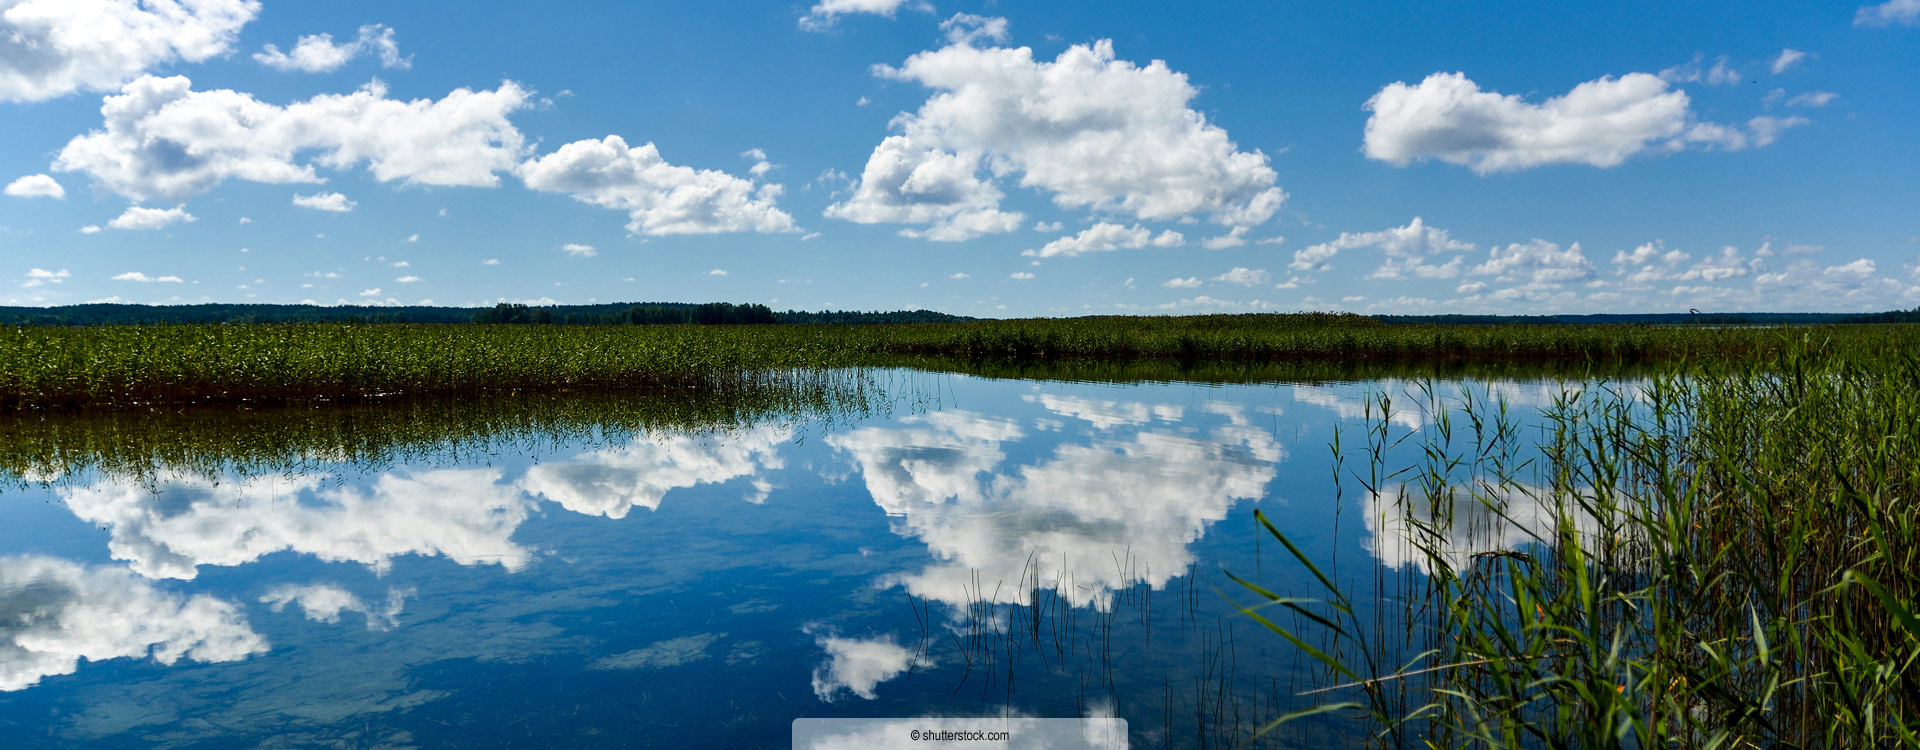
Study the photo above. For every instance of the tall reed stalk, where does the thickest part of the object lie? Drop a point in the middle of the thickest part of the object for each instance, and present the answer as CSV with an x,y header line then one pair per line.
x,y
1724,556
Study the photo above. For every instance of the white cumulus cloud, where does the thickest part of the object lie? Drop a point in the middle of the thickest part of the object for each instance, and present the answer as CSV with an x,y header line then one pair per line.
x,y
145,279
858,665
317,53
1244,277
334,202
36,186
162,139
49,48
1106,237
613,481
1600,123
824,14
139,218
55,613
323,602
1091,130
169,525
659,198
1405,247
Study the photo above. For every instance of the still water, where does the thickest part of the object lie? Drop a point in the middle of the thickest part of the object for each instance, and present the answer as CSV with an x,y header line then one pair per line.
x,y
966,547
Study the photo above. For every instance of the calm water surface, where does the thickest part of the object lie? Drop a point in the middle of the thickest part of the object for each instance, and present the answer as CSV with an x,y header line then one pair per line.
x,y
982,547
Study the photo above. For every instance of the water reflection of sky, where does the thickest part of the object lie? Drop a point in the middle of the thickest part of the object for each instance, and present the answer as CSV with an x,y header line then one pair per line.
x,y
691,587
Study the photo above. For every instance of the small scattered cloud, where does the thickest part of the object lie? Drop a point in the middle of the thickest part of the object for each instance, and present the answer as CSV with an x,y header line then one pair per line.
x,y
1107,237
317,53
36,186
574,249
406,279
1892,12
1021,275
490,262
1233,238
1190,282
717,272
1813,99
1696,71
42,277
138,218
145,279
90,229
1787,59
333,202
958,276
826,14
1244,277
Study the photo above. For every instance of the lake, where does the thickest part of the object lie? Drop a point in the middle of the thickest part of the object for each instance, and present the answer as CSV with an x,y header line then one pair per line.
x,y
949,545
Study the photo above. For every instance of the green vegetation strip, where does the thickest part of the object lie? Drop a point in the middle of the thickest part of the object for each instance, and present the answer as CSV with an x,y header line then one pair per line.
x,y
61,366
1726,556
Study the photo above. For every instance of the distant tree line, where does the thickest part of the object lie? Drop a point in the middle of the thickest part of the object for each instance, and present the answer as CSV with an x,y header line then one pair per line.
x,y
1895,316
1701,319
646,313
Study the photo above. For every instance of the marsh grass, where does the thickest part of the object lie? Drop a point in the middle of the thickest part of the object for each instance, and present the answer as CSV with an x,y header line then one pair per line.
x,y
1723,556
50,367
226,440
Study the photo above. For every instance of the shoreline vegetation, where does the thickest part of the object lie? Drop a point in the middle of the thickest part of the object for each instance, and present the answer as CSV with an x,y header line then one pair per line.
x,y
1726,557
80,366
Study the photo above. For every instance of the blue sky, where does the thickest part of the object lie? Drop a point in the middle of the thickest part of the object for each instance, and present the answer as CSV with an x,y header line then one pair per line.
x,y
974,158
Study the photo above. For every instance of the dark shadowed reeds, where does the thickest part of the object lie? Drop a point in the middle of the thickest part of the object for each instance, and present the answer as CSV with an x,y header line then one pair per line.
x,y
1724,556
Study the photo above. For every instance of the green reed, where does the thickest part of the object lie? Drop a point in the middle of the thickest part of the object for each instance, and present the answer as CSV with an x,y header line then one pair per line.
x,y
56,366
1725,555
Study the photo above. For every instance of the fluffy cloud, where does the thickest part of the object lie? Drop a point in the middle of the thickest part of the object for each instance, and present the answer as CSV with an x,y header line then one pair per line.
x,y
138,218
53,47
1093,131
1244,277
824,14
1105,237
1652,262
1904,12
169,526
1405,246
858,665
322,602
36,186
659,198
1537,262
1600,123
903,184
54,613
162,139
145,279
1142,493
611,482
1190,282
43,277
318,54
577,250
334,202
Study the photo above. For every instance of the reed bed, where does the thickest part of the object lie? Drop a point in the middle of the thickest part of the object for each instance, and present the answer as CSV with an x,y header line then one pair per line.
x,y
73,366
1723,556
